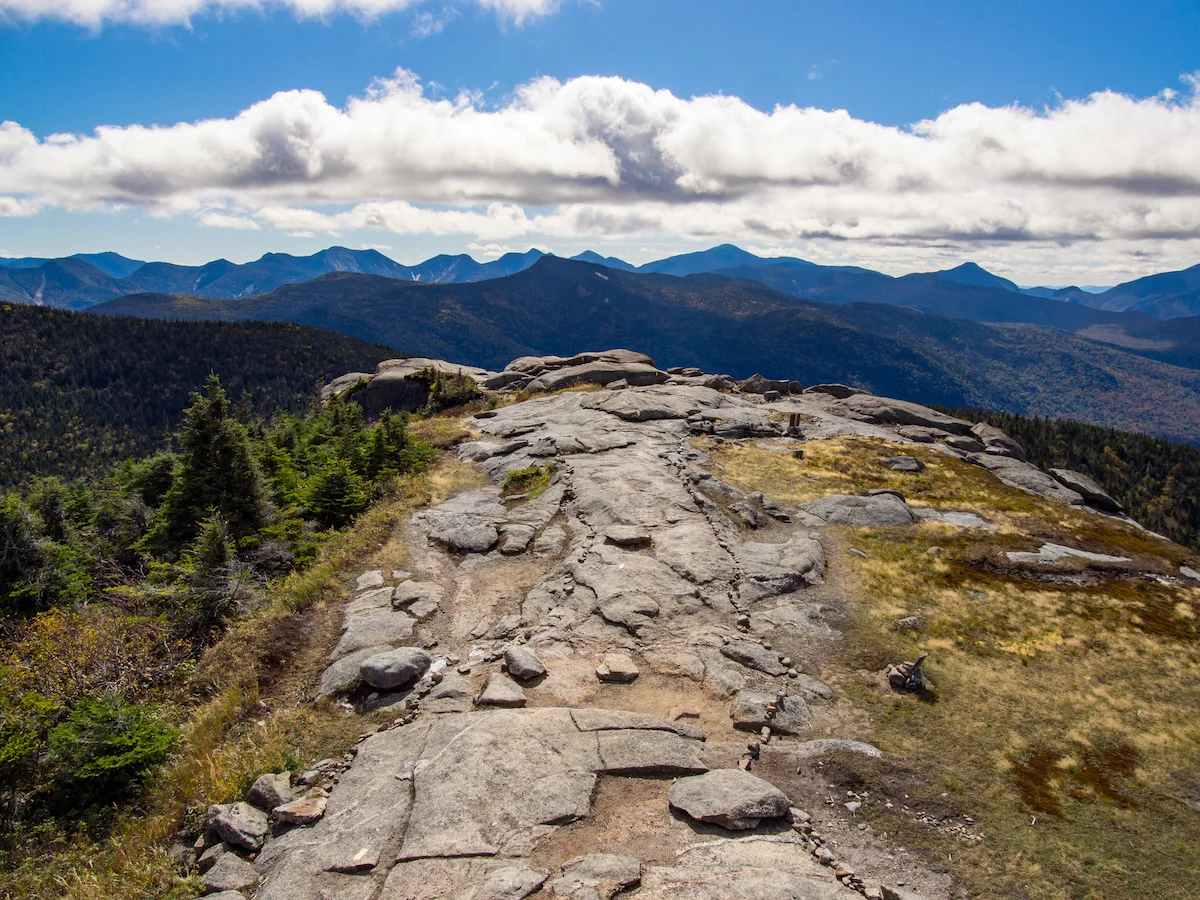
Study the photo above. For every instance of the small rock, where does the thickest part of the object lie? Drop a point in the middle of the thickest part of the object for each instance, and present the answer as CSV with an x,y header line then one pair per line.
x,y
907,623
270,791
853,806
683,712
730,798
617,667
209,857
229,873
904,464
304,811
501,691
824,856
368,580
858,552
522,664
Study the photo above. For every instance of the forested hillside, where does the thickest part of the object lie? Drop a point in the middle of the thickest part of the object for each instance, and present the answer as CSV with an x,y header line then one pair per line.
x,y
1157,481
735,327
78,392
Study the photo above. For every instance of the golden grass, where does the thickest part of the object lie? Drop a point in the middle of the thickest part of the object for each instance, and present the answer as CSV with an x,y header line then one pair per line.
x,y
253,715
440,432
1072,706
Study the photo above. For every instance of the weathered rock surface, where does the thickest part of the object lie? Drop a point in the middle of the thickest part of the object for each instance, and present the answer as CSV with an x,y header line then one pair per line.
x,y
872,512
509,883
1027,477
761,867
754,656
881,410
597,875
634,552
730,798
752,710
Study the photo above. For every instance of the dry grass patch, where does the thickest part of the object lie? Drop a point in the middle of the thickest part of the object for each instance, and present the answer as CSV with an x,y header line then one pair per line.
x,y
441,432
1064,716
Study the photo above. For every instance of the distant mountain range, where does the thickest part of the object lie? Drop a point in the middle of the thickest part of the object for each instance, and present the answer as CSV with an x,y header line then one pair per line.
x,y
741,326
84,280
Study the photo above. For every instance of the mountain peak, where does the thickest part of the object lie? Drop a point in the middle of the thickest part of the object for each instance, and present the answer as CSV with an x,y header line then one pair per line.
x,y
973,273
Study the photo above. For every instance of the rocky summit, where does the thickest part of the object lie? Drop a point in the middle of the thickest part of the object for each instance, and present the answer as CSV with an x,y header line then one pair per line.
x,y
602,684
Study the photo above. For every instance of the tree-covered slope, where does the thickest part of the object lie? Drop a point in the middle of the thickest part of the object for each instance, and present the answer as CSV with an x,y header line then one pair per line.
x,y
735,326
1157,481
78,392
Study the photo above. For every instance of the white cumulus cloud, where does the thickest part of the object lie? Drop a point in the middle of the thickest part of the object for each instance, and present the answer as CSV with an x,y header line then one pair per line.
x,y
96,13
609,159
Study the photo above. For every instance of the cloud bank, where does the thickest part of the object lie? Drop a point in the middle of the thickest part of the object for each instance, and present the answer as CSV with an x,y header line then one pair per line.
x,y
605,158
96,13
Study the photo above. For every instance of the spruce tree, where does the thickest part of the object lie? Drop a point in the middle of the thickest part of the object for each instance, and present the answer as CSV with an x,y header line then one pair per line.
x,y
215,473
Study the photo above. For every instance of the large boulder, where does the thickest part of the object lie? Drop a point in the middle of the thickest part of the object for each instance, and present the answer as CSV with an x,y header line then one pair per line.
x,y
730,798
1027,477
397,384
872,511
1092,493
394,668
996,441
602,367
882,411
756,384
835,390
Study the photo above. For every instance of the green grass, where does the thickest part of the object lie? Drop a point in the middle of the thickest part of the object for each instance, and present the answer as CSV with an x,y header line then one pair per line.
x,y
529,482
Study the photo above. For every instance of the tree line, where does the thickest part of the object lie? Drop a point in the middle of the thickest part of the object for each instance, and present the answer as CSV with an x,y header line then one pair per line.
x,y
1156,480
80,392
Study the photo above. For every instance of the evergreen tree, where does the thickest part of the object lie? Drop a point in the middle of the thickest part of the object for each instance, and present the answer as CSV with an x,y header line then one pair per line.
x,y
216,472
335,495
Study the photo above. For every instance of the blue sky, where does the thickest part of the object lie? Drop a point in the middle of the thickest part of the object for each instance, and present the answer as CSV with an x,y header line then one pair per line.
x,y
889,65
